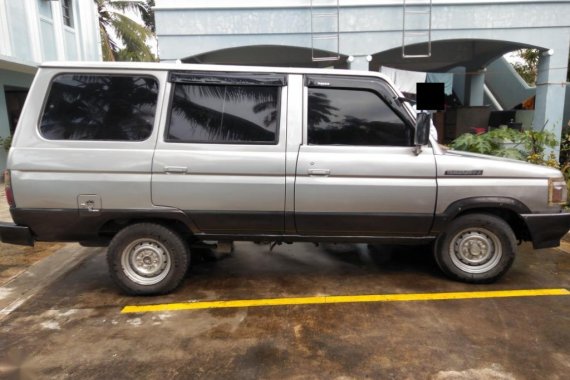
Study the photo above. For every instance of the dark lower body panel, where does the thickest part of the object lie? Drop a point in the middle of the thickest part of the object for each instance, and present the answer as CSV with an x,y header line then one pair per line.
x,y
67,225
97,228
546,230
13,234
363,224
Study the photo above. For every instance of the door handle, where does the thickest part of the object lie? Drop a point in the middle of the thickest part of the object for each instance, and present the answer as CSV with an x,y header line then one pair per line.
x,y
321,172
176,169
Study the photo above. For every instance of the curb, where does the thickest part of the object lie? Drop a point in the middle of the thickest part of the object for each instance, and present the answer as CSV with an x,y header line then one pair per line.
x,y
40,275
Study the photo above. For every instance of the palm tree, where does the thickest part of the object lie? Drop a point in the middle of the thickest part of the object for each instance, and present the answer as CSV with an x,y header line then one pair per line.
x,y
132,36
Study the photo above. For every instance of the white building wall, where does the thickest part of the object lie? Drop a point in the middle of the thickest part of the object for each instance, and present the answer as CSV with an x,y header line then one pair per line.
x,y
33,31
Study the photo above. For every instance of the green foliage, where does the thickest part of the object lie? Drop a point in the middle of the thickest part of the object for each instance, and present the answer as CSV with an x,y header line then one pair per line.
x,y
492,143
526,146
535,142
504,142
6,142
147,15
565,146
132,36
527,69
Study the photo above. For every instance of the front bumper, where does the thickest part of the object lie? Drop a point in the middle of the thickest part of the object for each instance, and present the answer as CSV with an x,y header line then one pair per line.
x,y
546,230
13,234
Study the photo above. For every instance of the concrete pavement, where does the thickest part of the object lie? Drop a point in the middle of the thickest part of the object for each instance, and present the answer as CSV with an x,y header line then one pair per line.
x,y
74,328
25,271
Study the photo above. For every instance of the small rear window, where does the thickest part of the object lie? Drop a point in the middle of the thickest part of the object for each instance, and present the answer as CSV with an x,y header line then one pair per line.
x,y
100,107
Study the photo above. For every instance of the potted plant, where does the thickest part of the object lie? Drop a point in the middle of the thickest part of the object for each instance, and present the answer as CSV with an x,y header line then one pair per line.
x,y
6,142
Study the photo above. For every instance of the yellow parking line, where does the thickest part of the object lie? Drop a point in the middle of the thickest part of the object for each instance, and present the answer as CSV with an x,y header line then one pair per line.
x,y
343,299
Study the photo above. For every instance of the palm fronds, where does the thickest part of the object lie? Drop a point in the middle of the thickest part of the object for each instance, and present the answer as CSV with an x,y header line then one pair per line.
x,y
122,38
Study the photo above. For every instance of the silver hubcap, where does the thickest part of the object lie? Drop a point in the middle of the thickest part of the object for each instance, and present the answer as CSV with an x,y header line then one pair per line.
x,y
475,250
146,261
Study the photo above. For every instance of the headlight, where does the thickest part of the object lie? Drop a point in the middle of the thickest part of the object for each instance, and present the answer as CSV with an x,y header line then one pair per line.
x,y
557,191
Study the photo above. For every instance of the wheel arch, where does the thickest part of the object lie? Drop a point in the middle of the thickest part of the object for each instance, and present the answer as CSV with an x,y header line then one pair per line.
x,y
505,208
110,228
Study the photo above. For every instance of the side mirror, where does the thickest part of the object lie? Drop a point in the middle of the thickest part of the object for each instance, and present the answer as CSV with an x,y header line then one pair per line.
x,y
423,124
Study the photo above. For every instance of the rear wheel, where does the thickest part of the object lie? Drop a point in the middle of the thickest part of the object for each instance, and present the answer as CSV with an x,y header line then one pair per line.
x,y
148,259
476,248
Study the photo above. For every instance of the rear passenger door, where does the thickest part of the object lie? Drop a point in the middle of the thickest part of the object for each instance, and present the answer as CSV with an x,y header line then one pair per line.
x,y
222,158
357,173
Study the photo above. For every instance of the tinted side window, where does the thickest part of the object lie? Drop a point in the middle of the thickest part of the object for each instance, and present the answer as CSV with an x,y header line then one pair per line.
x,y
353,117
100,107
229,114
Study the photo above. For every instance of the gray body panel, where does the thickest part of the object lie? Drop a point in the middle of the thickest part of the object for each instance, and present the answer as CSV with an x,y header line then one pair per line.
x,y
374,181
499,178
53,174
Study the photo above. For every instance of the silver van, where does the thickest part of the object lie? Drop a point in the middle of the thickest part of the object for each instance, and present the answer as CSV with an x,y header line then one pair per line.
x,y
149,159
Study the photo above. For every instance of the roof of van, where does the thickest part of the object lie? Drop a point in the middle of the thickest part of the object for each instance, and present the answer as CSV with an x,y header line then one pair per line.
x,y
202,67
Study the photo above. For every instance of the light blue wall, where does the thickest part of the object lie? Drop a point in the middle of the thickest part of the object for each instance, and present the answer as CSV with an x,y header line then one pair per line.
x,y
186,32
71,53
47,31
49,48
9,78
19,30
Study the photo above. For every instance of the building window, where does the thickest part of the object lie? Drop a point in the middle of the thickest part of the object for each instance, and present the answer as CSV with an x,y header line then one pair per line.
x,y
224,114
100,107
45,9
67,10
354,117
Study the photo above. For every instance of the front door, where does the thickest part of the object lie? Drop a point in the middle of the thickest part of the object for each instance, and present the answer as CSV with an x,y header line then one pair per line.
x,y
222,158
357,173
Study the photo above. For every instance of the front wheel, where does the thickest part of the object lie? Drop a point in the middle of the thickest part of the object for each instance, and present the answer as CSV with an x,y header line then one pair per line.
x,y
147,259
476,248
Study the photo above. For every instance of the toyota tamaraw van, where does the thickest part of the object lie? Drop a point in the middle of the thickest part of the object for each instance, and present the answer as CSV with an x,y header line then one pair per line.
x,y
151,159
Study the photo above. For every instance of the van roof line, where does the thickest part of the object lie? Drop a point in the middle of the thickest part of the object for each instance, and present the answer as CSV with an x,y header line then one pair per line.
x,y
204,67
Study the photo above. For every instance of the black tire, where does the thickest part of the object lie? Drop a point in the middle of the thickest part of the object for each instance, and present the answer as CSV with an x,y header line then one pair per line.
x,y
476,248
148,259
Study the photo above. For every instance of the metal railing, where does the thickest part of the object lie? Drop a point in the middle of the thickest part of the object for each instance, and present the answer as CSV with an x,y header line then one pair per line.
x,y
322,10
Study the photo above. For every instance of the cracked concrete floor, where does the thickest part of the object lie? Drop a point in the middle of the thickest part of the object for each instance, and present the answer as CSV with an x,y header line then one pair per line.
x,y
15,259
74,328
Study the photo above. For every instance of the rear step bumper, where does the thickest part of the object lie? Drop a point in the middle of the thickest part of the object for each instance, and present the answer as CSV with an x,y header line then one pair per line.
x,y
13,234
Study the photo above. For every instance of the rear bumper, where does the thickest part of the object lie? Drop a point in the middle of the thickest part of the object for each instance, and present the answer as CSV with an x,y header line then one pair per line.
x,y
13,234
546,230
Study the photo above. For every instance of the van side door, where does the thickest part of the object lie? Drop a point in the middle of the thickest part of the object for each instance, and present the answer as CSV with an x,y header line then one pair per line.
x,y
222,156
357,173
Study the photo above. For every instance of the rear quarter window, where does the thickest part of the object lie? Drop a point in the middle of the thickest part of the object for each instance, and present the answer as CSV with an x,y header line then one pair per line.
x,y
100,107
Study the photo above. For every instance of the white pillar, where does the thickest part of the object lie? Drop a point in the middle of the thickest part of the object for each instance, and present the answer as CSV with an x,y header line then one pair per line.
x,y
551,91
